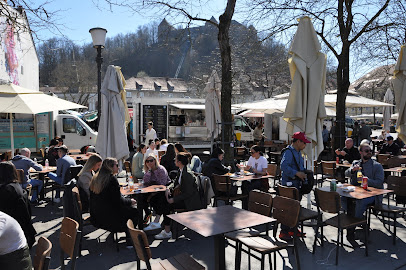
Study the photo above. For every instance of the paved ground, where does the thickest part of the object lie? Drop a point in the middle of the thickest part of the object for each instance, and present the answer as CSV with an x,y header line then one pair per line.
x,y
382,254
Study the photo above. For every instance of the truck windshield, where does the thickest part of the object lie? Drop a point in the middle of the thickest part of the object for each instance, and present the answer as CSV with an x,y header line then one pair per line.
x,y
71,125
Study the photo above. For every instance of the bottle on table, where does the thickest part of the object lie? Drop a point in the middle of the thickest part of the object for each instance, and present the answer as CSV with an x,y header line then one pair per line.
x,y
35,160
46,164
333,185
359,177
337,160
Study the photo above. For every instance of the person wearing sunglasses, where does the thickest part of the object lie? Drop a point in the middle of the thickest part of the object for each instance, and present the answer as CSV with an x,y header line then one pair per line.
x,y
108,209
374,171
155,174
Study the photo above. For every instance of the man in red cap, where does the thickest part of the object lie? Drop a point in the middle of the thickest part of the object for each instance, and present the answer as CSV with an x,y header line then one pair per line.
x,y
292,167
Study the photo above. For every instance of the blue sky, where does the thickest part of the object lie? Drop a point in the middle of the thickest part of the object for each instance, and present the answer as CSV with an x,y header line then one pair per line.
x,y
78,16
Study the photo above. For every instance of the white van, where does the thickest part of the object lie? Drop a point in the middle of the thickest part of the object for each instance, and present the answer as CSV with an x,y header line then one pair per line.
x,y
74,131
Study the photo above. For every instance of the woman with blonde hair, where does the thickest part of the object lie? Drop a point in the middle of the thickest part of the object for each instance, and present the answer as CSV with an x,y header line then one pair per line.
x,y
108,209
155,174
86,174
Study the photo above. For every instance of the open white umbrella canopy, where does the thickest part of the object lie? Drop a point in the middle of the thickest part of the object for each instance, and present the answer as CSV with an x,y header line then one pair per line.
x,y
355,101
112,136
387,111
212,105
269,106
17,99
399,86
305,109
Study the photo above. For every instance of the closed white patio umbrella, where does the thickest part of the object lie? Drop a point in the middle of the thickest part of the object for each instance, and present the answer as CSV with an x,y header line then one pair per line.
x,y
112,135
387,111
399,86
212,105
305,109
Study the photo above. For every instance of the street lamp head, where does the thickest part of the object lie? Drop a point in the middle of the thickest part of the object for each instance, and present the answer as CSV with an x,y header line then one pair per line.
x,y
98,36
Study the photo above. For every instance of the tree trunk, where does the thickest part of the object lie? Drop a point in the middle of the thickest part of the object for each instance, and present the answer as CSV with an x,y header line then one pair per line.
x,y
343,83
226,78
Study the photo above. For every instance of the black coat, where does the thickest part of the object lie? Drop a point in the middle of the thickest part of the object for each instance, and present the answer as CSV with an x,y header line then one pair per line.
x,y
108,209
352,154
189,192
14,202
392,149
168,163
214,166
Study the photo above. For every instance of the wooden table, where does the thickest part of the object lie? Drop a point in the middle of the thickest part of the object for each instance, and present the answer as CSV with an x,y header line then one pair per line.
x,y
217,221
343,165
73,151
41,176
249,177
139,192
359,193
395,170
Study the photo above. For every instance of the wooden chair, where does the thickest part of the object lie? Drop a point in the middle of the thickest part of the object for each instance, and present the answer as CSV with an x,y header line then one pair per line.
x,y
272,171
143,252
285,211
398,184
328,170
222,183
240,153
20,179
395,162
383,159
77,210
330,202
42,254
68,240
293,193
260,203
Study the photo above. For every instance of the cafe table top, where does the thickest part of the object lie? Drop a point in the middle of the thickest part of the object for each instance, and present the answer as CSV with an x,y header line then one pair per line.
x,y
218,220
236,177
343,165
395,169
44,170
74,151
359,193
125,190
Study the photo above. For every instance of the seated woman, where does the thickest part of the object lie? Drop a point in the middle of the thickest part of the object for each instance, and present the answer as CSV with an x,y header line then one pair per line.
x,y
155,174
14,200
257,164
85,176
108,209
185,194
214,166
137,165
168,160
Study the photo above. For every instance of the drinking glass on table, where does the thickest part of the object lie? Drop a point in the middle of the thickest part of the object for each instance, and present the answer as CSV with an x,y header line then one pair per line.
x,y
141,183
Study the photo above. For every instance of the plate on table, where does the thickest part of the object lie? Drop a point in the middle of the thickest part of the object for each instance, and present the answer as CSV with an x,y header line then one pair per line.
x,y
349,189
249,173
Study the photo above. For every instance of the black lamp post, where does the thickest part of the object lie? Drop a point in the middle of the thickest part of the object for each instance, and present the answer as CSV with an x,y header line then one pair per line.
x,y
99,39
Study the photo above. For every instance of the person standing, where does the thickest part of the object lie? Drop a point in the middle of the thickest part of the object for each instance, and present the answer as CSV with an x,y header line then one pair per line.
x,y
150,133
365,132
258,134
63,164
355,133
325,135
24,162
292,167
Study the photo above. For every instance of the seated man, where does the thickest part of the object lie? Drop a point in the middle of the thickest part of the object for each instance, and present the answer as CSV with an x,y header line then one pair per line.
x,y
349,152
390,147
24,162
374,171
63,164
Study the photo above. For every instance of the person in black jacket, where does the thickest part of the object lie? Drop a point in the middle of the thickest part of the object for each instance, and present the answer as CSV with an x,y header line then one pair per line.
x,y
108,209
214,165
390,147
349,152
14,200
168,160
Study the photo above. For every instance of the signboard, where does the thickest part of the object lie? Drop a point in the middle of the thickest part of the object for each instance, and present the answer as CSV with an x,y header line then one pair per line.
x,y
158,115
24,134
43,129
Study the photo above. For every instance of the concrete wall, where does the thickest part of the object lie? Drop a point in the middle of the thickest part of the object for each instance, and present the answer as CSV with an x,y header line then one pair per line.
x,y
18,58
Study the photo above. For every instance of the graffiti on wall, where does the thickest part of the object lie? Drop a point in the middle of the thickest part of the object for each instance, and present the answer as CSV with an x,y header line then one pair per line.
x,y
10,51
